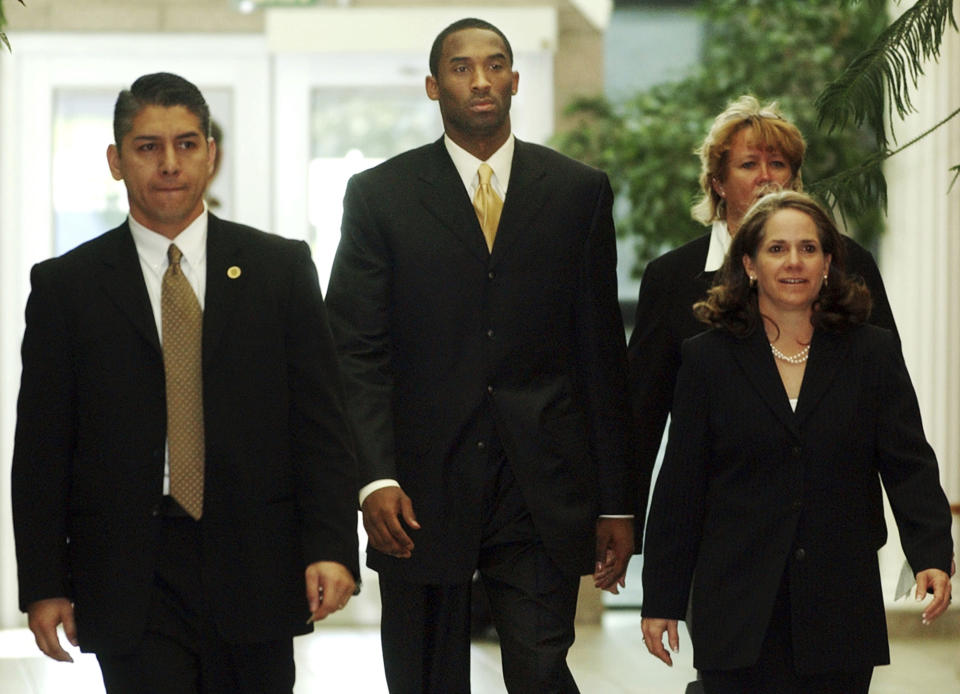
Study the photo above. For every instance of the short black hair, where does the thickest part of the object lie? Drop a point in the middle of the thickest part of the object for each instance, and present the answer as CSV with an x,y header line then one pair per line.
x,y
158,89
460,25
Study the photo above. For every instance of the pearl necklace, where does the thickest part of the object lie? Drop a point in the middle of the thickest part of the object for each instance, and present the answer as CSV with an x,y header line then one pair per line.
x,y
797,358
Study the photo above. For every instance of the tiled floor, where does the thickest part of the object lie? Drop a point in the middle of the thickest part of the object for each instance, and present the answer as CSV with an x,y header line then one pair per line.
x,y
608,659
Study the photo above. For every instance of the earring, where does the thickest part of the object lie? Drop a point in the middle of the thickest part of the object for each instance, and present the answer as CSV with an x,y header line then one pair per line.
x,y
825,279
753,281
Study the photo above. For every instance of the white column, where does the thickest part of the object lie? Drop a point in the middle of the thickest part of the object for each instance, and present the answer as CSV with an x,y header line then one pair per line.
x,y
920,263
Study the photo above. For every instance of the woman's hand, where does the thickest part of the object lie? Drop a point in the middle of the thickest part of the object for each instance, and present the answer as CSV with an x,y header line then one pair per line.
x,y
939,582
653,637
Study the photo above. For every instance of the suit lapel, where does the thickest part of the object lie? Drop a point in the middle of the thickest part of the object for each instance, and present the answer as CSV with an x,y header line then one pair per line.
x,y
223,255
122,280
526,196
445,198
827,351
757,363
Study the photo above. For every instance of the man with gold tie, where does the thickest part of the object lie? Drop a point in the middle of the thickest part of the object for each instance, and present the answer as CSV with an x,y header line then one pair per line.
x,y
183,470
473,300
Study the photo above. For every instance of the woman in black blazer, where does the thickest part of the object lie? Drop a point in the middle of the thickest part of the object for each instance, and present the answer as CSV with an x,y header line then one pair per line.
x,y
750,148
787,416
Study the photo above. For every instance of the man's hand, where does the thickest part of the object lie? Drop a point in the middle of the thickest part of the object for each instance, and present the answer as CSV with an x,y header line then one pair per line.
x,y
382,511
43,616
939,582
329,587
614,549
653,637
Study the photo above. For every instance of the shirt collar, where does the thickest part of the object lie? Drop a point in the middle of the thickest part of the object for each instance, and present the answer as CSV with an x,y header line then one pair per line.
x,y
152,246
719,245
500,161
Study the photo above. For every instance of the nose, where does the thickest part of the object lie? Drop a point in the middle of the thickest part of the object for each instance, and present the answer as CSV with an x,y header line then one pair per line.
x,y
480,81
793,258
169,162
765,173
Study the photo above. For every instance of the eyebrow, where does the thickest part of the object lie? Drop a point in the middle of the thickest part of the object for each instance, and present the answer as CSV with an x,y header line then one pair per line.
x,y
182,136
492,56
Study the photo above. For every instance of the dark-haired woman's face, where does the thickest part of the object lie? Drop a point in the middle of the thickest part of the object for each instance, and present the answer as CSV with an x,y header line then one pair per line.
x,y
790,263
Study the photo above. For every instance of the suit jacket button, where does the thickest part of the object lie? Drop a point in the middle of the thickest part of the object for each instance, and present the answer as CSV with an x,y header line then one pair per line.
x,y
490,389
155,511
797,451
796,505
800,554
481,446
490,333
491,274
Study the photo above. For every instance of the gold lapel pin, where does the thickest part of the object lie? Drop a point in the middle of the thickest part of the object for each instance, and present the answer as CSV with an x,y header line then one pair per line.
x,y
233,272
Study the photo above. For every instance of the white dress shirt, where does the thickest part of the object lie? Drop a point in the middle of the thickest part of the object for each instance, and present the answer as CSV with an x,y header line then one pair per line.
x,y
720,241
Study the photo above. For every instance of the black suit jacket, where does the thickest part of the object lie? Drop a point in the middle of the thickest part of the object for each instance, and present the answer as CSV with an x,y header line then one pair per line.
x,y
435,333
671,285
750,489
91,430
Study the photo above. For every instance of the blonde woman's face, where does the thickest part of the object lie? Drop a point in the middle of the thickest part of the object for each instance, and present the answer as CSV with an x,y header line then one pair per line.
x,y
751,169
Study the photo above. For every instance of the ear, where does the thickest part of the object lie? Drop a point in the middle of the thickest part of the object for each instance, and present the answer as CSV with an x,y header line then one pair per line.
x,y
516,82
717,186
113,160
211,155
748,266
433,88
828,258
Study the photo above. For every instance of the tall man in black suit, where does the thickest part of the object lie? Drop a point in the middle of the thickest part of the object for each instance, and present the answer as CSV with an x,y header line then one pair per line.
x,y
180,584
485,369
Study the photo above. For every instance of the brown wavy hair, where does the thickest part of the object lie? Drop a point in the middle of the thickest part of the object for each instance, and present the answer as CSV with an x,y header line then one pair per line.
x,y
731,303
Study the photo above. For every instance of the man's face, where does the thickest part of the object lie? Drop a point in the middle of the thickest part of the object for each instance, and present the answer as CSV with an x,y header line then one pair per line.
x,y
165,161
474,85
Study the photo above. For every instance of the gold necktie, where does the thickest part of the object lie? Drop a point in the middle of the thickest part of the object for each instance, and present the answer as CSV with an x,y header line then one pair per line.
x,y
488,205
182,320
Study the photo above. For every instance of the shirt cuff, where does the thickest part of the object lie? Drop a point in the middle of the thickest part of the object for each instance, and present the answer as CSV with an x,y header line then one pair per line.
x,y
370,488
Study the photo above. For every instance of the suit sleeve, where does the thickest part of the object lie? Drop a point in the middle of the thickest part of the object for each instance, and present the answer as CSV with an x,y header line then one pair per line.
x,y
908,466
654,361
675,523
603,362
358,299
43,447
321,444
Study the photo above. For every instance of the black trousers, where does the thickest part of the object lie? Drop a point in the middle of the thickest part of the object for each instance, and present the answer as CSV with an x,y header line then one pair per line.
x,y
425,629
181,651
775,672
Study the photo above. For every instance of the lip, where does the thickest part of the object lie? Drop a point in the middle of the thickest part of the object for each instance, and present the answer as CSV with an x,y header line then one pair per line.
x,y
483,105
793,281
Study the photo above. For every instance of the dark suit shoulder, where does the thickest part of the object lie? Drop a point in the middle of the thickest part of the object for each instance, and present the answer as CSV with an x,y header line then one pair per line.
x,y
681,262
555,161
859,260
871,338
711,339
399,168
107,241
244,234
